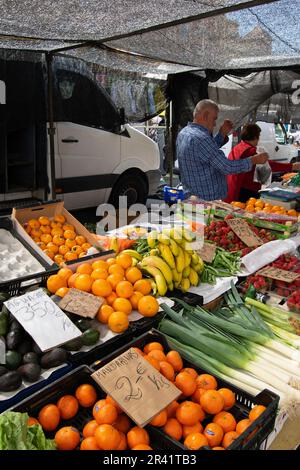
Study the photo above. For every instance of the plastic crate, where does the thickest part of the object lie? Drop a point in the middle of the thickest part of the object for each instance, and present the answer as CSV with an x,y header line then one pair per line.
x,y
244,401
67,385
172,195
14,286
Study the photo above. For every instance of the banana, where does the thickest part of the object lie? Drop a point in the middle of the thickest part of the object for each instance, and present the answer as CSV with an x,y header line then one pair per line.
x,y
195,258
187,259
174,247
199,267
167,255
159,279
154,286
187,246
180,260
154,252
176,276
186,272
188,235
134,262
193,277
185,285
133,254
161,265
171,286
162,238
177,235
151,239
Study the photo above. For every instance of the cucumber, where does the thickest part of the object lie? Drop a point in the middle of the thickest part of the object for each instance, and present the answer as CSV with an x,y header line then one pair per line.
x,y
90,337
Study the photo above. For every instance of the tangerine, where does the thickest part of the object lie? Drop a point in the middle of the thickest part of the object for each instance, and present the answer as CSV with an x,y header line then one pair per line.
x,y
55,282
229,397
189,413
80,240
142,447
118,322
122,423
89,443
174,358
154,362
111,298
32,421
84,268
68,406
186,383
173,429
65,273
99,264
159,355
166,369
134,299
83,282
114,280
160,419
206,381
122,305
101,287
148,306
151,346
71,280
123,442
133,274
228,438
195,441
143,286
243,425
49,417
256,411
62,291
124,289
107,437
186,430
214,434
191,371
90,428
99,273
171,409
69,256
86,395
67,438
212,402
106,414
116,269
104,312
137,436
124,260
225,420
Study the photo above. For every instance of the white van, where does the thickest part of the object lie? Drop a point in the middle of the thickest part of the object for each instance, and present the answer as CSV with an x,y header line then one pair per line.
x,y
97,156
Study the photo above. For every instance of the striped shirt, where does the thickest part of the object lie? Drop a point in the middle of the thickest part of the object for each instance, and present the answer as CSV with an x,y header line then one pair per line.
x,y
203,166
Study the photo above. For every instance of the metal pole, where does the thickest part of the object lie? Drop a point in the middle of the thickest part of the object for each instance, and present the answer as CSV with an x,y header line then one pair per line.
x,y
51,128
172,147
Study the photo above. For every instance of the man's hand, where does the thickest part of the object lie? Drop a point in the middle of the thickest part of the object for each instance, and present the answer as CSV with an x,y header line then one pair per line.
x,y
226,127
296,166
260,158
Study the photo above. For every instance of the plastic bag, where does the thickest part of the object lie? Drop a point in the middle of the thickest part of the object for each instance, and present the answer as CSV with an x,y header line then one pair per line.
x,y
263,174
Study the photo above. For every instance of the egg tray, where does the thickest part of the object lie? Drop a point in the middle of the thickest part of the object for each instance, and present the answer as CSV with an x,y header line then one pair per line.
x,y
14,286
264,425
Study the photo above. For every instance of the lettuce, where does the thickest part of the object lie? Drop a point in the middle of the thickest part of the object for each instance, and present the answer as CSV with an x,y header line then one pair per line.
x,y
16,435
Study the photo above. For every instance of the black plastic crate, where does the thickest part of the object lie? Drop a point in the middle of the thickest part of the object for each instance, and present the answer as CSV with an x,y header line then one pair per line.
x,y
14,286
244,401
67,385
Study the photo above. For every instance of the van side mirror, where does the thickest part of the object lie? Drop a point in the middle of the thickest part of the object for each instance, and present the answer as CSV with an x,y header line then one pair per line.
x,y
122,116
276,148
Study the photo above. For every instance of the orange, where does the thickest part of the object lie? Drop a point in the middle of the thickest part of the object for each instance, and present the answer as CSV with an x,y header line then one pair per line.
x,y
86,246
173,429
80,240
116,269
49,417
228,438
142,447
124,260
206,381
214,434
195,441
65,273
41,245
186,383
124,289
56,224
118,322
160,419
114,280
151,346
58,240
32,421
122,305
110,400
44,220
52,247
59,259
243,425
69,235
68,406
143,286
99,273
67,438
256,411
62,291
45,229
37,240
99,264
137,436
111,298
148,306
107,437
171,409
55,282
69,243
212,402
225,420
99,404
174,358
104,312
46,238
69,256
83,282
101,287
122,423
71,280
123,442
152,361
111,261
33,223
86,395
133,274
159,355
63,249
89,443
197,394
229,397
189,413
68,227
218,448
57,231
106,414
84,268
186,430
49,253
134,299
191,371
166,370
90,428
59,218
77,249
37,233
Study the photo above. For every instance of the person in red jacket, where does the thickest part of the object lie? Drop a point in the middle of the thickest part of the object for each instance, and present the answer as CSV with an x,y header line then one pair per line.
x,y
241,186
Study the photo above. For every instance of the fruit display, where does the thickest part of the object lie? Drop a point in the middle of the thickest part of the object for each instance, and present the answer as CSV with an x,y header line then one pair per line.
x,y
258,205
224,264
260,283
57,238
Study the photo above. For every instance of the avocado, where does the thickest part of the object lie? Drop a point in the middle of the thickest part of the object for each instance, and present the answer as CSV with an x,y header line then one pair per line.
x,y
14,339
10,381
90,337
13,359
4,323
54,358
83,324
25,347
30,357
74,344
3,370
30,372
3,297
36,348
15,326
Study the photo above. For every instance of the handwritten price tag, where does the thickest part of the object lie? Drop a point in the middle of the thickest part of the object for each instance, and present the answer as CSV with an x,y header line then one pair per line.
x,y
48,325
279,274
138,388
241,228
207,252
81,303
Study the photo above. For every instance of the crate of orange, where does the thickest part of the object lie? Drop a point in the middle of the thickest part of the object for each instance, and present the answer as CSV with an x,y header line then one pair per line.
x,y
211,413
78,415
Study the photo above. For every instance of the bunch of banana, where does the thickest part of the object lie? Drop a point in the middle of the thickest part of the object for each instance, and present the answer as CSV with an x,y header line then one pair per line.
x,y
172,262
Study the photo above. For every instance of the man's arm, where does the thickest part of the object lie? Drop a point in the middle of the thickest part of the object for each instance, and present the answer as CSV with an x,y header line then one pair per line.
x,y
217,159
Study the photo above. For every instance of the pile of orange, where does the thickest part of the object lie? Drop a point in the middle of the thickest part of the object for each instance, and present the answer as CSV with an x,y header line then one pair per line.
x,y
258,205
117,281
110,428
57,238
200,400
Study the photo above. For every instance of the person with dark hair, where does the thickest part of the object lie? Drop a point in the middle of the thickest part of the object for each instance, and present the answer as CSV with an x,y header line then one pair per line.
x,y
241,187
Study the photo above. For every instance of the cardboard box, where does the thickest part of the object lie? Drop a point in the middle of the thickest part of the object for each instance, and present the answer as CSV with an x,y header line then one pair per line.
x,y
281,419
20,216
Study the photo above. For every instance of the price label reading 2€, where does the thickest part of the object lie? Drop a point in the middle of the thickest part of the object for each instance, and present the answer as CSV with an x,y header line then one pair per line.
x,y
137,387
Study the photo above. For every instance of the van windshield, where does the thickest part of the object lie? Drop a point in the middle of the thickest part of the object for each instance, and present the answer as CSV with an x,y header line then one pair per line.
x,y
280,135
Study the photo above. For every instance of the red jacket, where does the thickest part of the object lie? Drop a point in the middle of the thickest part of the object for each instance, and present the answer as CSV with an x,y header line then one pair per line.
x,y
245,180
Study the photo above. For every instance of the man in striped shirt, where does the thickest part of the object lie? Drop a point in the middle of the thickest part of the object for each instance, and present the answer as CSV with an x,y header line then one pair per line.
x,y
203,166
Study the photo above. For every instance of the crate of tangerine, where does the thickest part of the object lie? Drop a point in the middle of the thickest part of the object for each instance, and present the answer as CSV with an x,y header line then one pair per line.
x,y
53,232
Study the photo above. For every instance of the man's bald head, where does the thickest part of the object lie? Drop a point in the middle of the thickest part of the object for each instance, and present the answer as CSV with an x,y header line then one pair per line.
x,y
206,114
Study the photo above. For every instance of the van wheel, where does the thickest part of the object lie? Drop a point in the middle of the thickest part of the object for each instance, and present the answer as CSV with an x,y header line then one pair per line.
x,y
132,185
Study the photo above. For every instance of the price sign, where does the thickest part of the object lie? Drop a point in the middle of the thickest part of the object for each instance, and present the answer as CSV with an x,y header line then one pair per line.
x,y
241,228
207,252
279,274
81,303
224,205
48,325
138,388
